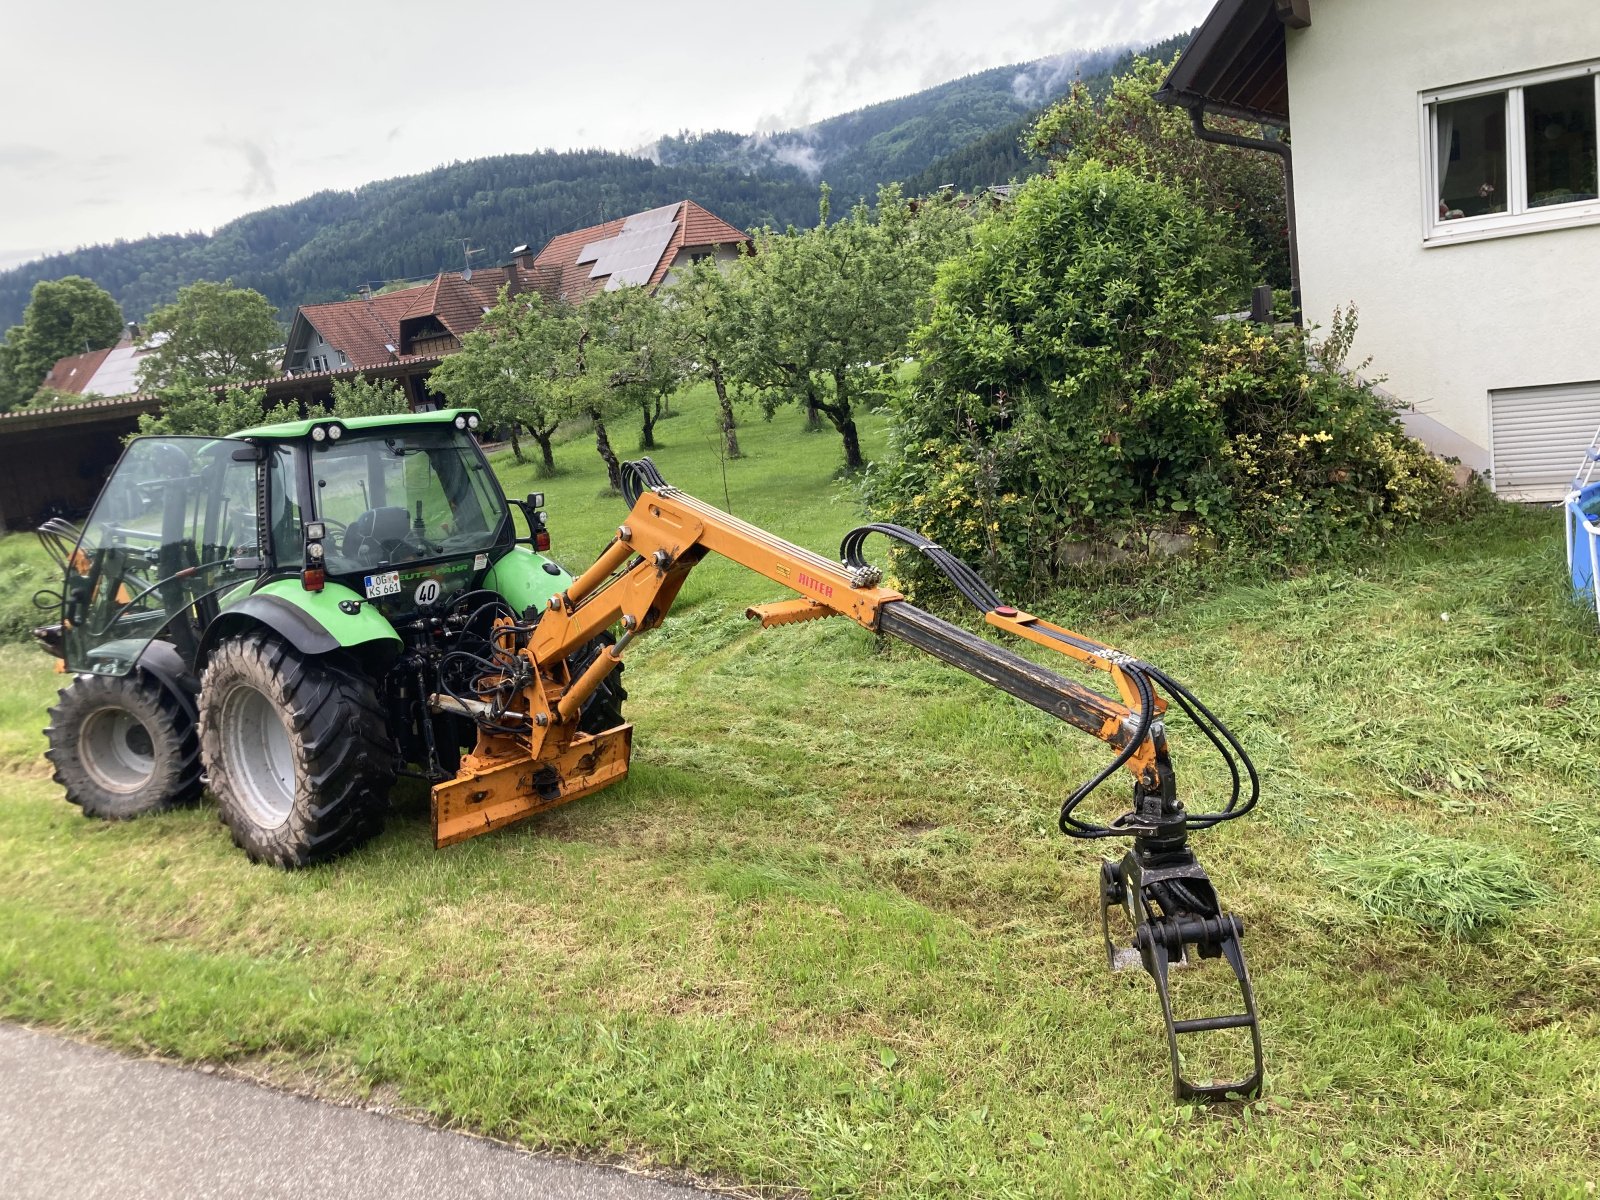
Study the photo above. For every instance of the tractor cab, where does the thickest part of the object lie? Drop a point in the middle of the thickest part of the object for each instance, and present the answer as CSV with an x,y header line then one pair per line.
x,y
404,515
399,514
173,535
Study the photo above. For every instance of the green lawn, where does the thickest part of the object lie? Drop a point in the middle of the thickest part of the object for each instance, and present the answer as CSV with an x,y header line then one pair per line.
x,y
826,937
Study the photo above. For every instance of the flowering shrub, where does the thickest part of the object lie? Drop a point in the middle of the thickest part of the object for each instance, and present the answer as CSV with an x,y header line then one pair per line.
x,y
1078,401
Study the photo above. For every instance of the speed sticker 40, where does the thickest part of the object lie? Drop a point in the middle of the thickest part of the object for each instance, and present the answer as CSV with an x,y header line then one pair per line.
x,y
386,584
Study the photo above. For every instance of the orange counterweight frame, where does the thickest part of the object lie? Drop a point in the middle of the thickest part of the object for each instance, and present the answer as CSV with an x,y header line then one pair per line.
x,y
548,761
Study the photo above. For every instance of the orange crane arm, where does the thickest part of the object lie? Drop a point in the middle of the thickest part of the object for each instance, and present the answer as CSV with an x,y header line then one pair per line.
x,y
533,754
633,584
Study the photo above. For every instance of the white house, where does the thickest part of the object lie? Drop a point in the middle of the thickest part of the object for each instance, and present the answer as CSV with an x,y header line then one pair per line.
x,y
1446,181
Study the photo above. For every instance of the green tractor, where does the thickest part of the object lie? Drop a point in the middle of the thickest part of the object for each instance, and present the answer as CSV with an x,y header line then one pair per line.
x,y
275,615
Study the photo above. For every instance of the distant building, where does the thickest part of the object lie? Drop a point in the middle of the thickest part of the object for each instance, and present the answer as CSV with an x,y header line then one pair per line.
x,y
70,376
56,459
110,372
404,333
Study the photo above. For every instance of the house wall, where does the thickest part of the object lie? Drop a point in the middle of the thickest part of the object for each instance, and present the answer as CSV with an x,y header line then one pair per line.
x,y
1449,323
303,356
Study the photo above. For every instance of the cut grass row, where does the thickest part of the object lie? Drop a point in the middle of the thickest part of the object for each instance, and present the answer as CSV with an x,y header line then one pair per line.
x,y
826,935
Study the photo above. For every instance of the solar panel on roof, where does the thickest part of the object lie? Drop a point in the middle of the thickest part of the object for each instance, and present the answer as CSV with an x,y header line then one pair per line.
x,y
631,256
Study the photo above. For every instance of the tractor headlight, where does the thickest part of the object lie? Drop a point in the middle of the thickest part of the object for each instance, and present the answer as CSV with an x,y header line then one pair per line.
x,y
461,422
319,433
335,432
472,422
315,531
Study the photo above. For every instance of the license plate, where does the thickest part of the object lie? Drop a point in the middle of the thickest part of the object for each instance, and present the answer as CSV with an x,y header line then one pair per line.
x,y
387,584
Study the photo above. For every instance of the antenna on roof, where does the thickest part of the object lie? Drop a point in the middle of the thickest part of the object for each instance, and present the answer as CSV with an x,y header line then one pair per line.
x,y
467,251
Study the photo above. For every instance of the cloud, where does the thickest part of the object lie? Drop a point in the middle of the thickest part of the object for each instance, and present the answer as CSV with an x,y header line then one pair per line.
x,y
1038,82
800,156
258,179
15,156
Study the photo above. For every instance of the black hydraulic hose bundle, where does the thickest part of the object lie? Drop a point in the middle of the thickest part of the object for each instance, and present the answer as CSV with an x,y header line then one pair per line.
x,y
1145,678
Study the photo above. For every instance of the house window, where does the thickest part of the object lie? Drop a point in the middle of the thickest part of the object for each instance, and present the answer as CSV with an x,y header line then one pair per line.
x,y
1512,156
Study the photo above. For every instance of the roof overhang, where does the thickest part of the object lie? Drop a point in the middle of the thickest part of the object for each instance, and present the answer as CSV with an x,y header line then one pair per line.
x,y
1235,65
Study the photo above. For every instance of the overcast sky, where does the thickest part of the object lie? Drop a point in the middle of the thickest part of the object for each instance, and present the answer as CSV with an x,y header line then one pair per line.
x,y
126,118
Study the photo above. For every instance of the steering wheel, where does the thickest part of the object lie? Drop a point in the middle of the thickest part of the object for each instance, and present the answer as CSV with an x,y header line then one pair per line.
x,y
387,528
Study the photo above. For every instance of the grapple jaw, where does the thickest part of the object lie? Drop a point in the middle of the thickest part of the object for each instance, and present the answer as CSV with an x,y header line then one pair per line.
x,y
1172,910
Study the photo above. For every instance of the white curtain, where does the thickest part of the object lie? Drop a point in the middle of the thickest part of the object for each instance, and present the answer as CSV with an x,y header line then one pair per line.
x,y
1445,123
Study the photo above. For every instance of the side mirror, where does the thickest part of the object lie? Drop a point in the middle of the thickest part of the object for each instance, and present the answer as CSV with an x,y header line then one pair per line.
x,y
538,533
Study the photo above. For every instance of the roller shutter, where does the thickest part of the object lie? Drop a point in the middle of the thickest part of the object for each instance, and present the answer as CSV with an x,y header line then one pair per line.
x,y
1540,435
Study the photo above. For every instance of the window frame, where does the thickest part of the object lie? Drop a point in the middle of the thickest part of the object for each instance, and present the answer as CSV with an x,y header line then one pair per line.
x,y
1518,217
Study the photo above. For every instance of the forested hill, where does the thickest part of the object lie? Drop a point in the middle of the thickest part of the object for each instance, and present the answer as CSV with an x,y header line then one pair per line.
x,y
997,156
328,245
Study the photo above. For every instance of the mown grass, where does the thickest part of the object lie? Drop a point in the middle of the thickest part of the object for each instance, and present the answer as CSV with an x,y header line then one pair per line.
x,y
827,939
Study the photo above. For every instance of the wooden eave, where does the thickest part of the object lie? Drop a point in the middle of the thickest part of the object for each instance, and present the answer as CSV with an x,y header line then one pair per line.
x,y
1235,64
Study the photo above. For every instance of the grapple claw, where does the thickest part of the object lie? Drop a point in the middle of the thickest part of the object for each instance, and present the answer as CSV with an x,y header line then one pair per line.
x,y
1172,908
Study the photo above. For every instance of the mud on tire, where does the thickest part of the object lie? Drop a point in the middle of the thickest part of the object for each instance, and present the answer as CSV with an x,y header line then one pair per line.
x,y
123,747
296,751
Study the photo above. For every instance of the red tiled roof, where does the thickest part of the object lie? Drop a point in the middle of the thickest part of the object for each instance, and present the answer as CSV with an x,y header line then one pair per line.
x,y
559,276
72,374
362,330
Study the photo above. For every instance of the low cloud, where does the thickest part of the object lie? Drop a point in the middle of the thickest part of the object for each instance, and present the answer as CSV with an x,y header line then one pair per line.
x,y
259,178
15,156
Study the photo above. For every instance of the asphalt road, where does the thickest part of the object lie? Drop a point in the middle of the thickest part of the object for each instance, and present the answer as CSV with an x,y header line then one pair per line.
x,y
80,1122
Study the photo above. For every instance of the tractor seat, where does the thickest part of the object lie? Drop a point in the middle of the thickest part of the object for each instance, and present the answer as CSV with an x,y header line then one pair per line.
x,y
385,526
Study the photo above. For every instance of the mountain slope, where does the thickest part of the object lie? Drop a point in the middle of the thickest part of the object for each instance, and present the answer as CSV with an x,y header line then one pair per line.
x,y
998,157
328,245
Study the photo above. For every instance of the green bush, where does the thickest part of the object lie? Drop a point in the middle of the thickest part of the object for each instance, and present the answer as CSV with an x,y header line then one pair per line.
x,y
1079,402
1312,461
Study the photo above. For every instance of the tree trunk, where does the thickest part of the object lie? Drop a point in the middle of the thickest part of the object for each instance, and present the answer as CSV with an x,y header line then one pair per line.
x,y
730,439
813,411
647,436
602,445
516,445
839,412
542,437
853,461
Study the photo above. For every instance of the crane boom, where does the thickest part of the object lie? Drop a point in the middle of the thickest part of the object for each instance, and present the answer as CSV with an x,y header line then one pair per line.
x,y
531,754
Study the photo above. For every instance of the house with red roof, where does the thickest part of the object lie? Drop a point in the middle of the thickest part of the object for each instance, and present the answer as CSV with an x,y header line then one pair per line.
x,y
403,334
70,376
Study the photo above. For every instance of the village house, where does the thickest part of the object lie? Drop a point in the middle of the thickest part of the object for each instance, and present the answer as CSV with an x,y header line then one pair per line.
x,y
55,459
1444,182
403,334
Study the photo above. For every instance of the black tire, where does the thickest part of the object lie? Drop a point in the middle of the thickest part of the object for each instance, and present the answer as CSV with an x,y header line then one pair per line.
x,y
296,751
603,709
123,747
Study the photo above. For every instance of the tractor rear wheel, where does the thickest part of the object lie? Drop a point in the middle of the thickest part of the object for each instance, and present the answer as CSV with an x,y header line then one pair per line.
x,y
296,751
123,747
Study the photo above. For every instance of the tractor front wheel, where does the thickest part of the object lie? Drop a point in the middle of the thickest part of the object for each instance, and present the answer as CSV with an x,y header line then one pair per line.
x,y
123,747
296,751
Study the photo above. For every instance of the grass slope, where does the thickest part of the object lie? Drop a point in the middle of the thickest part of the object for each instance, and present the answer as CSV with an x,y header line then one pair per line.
x,y
827,938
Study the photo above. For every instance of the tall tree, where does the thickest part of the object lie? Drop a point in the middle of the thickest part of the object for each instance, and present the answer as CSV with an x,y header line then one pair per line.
x,y
193,410
702,310
646,370
506,369
830,310
1155,141
581,371
213,333
64,316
